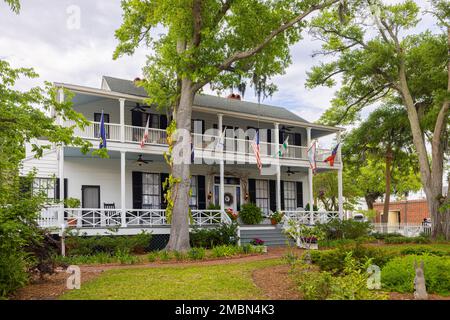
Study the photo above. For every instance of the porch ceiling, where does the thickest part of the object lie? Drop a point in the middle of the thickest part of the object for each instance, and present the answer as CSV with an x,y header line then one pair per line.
x,y
76,153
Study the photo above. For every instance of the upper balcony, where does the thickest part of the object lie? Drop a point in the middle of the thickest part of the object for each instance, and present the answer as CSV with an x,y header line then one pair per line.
x,y
126,115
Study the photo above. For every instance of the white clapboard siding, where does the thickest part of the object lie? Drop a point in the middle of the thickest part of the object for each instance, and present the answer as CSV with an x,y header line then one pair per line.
x,y
46,166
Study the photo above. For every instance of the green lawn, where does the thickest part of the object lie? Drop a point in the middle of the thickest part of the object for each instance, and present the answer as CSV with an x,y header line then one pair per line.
x,y
227,281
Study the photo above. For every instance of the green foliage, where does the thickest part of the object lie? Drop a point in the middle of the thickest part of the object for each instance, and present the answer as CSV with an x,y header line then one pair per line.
x,y
333,260
424,251
315,208
224,251
13,275
344,229
121,256
213,206
277,216
251,214
72,203
196,253
152,256
350,285
90,245
225,234
165,255
398,274
402,239
179,256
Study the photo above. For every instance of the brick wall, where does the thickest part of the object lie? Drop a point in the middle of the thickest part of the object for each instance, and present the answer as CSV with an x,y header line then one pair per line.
x,y
416,211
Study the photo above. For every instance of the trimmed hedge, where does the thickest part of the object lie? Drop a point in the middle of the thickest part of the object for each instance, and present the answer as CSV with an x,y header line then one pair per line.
x,y
398,274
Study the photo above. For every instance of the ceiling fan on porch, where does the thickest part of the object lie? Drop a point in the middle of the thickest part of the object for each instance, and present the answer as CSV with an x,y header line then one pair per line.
x,y
139,108
289,171
140,161
286,128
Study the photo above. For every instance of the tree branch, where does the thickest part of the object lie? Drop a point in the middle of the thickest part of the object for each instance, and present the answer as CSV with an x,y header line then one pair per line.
x,y
197,14
251,52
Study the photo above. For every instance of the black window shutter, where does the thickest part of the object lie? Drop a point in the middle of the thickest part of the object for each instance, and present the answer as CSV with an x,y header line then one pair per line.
x,y
273,195
136,118
163,121
299,195
137,189
297,139
282,195
164,176
201,192
252,190
281,137
57,195
203,127
269,135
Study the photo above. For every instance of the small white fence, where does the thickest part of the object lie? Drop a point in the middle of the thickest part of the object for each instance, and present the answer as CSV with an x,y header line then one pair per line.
x,y
405,229
306,217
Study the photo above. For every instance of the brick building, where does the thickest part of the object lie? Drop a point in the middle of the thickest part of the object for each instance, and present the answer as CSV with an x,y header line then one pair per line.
x,y
409,211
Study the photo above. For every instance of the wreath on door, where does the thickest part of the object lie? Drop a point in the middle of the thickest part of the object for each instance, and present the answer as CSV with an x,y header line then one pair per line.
x,y
228,198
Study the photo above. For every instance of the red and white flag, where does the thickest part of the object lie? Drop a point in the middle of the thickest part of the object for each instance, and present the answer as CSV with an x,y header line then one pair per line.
x,y
256,150
144,139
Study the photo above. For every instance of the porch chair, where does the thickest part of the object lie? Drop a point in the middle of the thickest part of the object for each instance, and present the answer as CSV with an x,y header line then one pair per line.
x,y
112,217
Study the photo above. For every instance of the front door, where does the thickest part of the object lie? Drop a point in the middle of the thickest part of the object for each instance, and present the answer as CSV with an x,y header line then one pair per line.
x,y
230,197
90,199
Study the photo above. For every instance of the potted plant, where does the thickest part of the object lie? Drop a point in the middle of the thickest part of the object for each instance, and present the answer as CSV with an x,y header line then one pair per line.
x,y
276,217
72,217
232,214
259,243
251,214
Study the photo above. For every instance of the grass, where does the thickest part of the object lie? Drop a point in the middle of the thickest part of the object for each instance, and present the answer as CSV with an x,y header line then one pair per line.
x,y
232,281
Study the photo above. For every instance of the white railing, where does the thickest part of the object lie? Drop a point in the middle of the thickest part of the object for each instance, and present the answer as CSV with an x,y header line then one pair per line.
x,y
146,217
155,136
238,146
206,217
92,130
304,217
405,229
105,218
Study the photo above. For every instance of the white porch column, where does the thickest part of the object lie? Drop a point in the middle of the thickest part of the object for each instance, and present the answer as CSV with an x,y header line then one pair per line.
x,y
122,119
278,183
222,167
61,168
310,181
122,189
340,190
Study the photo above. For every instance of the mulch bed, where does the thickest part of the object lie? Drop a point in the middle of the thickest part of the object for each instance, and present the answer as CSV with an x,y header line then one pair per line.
x,y
276,283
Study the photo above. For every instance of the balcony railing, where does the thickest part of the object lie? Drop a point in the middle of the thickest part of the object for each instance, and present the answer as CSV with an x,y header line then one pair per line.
x,y
204,142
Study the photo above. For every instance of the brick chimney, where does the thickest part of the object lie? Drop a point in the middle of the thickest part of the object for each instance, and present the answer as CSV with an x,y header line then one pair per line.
x,y
234,96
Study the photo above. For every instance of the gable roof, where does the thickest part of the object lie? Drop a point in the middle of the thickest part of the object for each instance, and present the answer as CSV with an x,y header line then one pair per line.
x,y
209,101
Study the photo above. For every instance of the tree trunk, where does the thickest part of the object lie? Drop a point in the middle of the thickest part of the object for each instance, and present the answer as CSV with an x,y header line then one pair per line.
x,y
387,194
179,229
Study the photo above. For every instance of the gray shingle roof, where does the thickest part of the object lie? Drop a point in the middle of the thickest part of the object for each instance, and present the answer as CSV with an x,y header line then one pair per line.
x,y
210,101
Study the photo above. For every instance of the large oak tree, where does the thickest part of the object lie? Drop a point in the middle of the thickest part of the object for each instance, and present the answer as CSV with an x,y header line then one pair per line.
x,y
220,43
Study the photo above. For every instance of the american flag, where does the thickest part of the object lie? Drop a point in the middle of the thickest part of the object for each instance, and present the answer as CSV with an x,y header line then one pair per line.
x,y
255,146
145,134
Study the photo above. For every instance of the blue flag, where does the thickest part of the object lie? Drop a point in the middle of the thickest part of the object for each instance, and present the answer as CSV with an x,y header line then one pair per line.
x,y
102,133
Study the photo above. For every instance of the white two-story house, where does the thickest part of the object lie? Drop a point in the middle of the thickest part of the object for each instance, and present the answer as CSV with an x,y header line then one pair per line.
x,y
126,190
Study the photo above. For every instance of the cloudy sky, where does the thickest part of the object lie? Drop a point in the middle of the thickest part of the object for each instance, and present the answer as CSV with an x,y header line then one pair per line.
x,y
45,37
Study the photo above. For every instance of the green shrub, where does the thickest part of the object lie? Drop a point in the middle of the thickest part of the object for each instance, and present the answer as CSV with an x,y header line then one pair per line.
x,y
224,251
224,234
179,256
251,214
402,240
123,257
85,245
164,255
13,271
333,260
350,285
197,253
424,250
345,229
152,256
398,274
